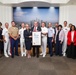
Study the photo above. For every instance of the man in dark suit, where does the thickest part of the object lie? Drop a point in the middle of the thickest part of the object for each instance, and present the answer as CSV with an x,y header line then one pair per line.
x,y
36,28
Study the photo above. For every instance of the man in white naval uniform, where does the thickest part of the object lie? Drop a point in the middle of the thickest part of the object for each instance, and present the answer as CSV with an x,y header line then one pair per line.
x,y
22,41
44,32
65,29
6,41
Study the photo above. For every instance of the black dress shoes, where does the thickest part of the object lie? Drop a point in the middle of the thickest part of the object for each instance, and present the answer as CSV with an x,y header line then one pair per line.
x,y
51,55
17,54
37,56
12,56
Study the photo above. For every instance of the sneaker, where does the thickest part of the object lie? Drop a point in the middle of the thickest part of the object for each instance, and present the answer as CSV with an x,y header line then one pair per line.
x,y
25,55
44,55
64,54
21,55
41,53
6,56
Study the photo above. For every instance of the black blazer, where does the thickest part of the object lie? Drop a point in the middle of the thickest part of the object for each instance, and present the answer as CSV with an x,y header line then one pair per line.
x,y
27,33
38,28
1,37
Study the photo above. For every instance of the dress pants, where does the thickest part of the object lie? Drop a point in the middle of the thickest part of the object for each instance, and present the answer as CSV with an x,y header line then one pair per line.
x,y
50,45
7,47
22,46
14,43
64,47
58,48
36,49
44,45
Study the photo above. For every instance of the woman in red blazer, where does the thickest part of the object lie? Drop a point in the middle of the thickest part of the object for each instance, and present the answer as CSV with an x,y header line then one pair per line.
x,y
71,43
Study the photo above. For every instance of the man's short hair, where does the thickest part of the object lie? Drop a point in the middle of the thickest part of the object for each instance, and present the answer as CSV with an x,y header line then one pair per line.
x,y
12,21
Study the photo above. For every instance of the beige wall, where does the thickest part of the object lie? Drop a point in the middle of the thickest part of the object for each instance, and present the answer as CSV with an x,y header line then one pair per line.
x,y
5,14
67,13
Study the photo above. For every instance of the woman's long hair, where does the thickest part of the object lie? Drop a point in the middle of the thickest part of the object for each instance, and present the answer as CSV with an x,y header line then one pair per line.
x,y
71,28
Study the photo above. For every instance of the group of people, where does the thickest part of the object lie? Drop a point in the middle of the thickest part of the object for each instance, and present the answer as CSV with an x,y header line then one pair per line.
x,y
62,38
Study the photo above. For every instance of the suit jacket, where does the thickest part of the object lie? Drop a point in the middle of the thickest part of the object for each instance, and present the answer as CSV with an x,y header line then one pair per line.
x,y
61,36
1,34
38,28
69,38
27,33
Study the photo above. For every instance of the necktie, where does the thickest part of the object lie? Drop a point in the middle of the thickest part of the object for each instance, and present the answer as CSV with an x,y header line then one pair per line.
x,y
34,29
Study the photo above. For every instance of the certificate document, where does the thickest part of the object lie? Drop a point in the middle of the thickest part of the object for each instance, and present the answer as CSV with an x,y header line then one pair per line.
x,y
36,38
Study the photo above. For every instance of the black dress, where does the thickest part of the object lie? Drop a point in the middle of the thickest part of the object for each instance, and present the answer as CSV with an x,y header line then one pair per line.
x,y
71,51
28,40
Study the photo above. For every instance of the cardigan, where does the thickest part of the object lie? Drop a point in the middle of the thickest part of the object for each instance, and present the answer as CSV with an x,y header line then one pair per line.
x,y
69,37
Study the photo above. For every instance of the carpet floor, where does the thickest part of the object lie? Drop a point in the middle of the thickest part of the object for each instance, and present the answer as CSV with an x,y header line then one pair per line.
x,y
55,65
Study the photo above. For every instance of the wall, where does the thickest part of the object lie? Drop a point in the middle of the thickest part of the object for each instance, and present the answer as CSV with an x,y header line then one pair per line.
x,y
5,14
67,13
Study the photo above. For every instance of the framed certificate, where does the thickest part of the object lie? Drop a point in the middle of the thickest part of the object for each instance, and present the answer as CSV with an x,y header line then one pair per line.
x,y
36,38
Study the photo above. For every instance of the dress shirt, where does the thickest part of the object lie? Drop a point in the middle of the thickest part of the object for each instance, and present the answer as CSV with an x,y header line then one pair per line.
x,y
5,33
66,29
51,32
44,30
21,33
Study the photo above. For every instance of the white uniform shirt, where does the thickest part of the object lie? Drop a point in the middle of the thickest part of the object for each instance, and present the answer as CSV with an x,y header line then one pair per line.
x,y
21,33
5,33
66,29
44,30
51,32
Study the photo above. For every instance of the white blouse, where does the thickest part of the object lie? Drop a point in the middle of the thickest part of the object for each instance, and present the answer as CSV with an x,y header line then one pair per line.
x,y
72,35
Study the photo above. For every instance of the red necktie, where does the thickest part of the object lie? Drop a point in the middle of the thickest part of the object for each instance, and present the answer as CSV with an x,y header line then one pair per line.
x,y
34,29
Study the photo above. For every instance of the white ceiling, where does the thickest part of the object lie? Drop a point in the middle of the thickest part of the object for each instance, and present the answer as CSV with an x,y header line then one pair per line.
x,y
72,2
37,3
19,1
